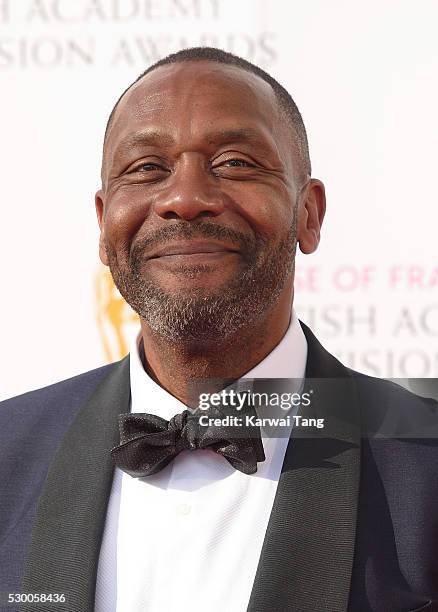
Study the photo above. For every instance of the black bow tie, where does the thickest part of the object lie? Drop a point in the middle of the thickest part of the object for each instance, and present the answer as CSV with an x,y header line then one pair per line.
x,y
148,442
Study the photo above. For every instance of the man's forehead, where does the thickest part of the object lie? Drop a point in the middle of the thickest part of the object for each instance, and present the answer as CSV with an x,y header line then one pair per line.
x,y
175,87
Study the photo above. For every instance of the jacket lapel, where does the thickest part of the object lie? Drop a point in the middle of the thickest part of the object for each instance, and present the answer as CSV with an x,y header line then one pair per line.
x,y
68,527
307,556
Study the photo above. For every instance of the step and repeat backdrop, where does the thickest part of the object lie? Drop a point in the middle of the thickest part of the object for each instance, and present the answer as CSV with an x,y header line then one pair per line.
x,y
364,75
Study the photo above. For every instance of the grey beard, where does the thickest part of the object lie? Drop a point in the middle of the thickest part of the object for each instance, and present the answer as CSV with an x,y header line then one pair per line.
x,y
197,316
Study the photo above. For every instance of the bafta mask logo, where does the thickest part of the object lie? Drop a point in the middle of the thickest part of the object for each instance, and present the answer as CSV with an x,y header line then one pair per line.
x,y
116,321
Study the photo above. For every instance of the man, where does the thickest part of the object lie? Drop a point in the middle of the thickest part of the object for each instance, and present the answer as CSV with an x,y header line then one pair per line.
x,y
206,192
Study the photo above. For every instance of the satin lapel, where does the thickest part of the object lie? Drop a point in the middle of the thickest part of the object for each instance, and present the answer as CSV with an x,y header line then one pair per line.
x,y
68,527
307,555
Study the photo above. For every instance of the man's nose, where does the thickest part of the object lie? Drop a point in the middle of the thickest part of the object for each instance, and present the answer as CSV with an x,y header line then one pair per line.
x,y
192,191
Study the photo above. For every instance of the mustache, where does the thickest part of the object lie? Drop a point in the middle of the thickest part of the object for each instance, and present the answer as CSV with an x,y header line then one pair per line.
x,y
186,230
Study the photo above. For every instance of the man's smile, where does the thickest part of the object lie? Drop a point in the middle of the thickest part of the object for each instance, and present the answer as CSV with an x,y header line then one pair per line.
x,y
193,251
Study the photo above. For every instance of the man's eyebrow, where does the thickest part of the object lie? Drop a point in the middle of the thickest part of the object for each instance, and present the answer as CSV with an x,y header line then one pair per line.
x,y
145,137
237,135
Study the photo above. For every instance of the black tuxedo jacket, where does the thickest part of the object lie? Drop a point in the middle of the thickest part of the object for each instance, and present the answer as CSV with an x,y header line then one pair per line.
x,y
354,525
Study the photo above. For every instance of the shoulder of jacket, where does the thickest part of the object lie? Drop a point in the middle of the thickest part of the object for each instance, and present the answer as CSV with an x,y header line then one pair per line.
x,y
77,386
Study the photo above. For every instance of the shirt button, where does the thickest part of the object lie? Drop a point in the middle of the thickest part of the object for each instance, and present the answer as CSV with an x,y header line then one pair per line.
x,y
184,509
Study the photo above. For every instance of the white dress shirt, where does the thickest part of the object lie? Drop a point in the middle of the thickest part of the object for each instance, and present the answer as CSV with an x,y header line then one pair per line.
x,y
189,537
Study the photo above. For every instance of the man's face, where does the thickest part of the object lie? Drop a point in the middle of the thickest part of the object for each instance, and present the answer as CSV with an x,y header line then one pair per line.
x,y
198,211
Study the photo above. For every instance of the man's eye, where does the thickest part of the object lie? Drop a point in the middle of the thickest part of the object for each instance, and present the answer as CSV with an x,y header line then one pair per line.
x,y
238,163
227,168
147,167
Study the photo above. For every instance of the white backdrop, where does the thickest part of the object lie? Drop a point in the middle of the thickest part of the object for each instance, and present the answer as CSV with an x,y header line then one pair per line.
x,y
364,75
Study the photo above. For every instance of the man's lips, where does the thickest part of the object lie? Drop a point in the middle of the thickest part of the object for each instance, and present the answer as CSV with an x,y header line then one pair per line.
x,y
194,248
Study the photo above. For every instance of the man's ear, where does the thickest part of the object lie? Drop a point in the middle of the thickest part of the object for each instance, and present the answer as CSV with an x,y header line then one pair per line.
x,y
98,199
311,211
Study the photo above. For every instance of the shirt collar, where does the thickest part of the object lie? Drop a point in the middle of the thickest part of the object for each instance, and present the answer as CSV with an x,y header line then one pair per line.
x,y
286,360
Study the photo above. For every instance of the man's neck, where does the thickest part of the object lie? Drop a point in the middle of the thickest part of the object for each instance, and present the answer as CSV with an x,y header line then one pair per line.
x,y
185,369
